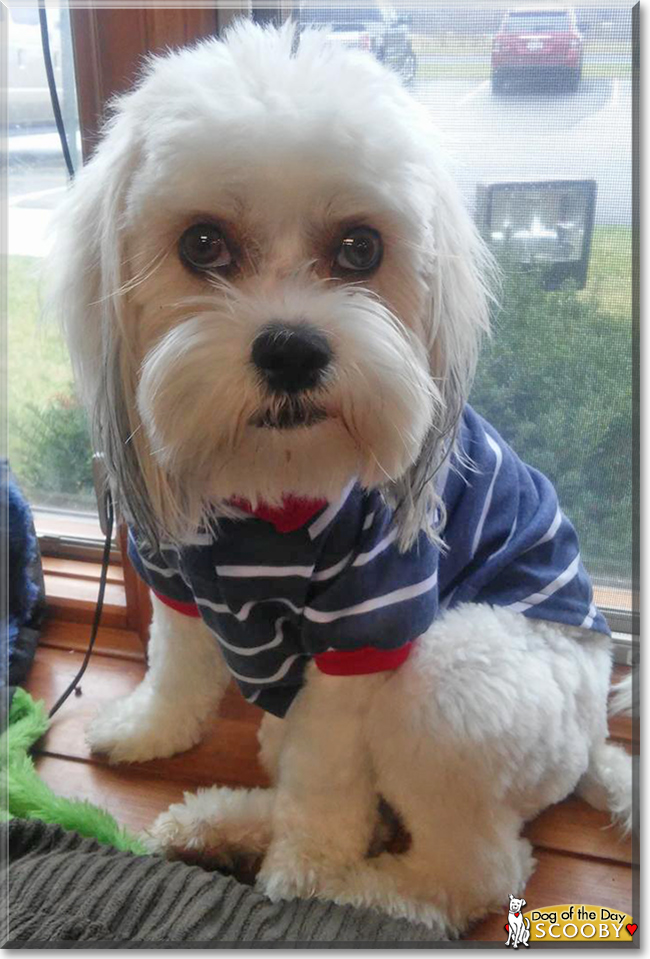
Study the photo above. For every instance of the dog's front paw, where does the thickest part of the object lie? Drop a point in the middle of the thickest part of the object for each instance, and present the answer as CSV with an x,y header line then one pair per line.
x,y
140,727
286,874
290,872
291,881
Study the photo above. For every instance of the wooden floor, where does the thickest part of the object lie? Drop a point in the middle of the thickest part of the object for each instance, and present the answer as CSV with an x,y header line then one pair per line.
x,y
580,858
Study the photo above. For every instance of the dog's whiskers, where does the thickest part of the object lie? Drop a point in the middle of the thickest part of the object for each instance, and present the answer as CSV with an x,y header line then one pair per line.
x,y
377,462
161,450
133,433
239,425
145,274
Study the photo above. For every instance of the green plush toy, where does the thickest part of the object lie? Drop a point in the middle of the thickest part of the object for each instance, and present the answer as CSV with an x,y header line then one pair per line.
x,y
24,795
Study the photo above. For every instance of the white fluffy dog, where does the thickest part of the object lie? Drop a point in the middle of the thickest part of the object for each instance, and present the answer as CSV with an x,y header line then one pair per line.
x,y
273,297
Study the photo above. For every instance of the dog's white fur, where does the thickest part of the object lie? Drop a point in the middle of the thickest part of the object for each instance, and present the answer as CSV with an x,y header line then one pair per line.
x,y
494,716
289,150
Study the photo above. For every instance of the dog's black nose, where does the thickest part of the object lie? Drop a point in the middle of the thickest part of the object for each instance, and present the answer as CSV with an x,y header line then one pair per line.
x,y
291,358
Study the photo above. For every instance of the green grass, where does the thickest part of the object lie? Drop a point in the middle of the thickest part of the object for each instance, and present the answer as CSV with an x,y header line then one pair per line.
x,y
610,270
473,55
38,361
431,69
592,71
479,69
469,46
429,45
38,367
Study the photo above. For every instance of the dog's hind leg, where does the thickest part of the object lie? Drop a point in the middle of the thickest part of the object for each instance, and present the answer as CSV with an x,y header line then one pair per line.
x,y
231,829
480,729
492,718
271,735
219,826
607,784
463,858
165,714
325,812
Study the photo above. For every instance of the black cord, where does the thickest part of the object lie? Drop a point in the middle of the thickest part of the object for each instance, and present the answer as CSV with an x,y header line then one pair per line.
x,y
56,109
54,96
98,608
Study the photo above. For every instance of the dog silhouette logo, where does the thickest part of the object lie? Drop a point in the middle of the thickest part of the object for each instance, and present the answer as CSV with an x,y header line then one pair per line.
x,y
517,926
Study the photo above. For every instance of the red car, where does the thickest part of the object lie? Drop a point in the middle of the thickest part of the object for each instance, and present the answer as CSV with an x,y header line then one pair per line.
x,y
537,43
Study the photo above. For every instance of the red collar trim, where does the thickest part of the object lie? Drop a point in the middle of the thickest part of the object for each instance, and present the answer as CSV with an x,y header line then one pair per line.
x,y
363,661
294,513
187,609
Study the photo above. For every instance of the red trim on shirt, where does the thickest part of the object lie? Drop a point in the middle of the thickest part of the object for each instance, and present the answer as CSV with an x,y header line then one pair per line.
x,y
294,512
187,609
359,662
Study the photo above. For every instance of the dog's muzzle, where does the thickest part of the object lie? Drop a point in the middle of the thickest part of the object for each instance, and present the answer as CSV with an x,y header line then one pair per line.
x,y
291,358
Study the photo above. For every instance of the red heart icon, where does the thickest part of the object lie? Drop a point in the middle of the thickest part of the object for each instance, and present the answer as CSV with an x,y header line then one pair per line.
x,y
506,927
516,914
631,928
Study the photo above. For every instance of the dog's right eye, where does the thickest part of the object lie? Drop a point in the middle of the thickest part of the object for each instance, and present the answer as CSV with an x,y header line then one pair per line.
x,y
203,247
360,251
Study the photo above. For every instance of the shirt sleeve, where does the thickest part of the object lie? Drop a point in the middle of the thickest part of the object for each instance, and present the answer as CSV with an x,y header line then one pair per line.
x,y
364,612
160,571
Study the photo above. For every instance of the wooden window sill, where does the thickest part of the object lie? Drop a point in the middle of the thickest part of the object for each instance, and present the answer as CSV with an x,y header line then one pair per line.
x,y
72,637
71,588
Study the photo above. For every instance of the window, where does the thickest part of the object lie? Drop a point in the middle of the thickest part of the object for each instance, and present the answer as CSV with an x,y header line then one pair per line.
x,y
540,101
48,445
523,97
537,21
47,438
340,19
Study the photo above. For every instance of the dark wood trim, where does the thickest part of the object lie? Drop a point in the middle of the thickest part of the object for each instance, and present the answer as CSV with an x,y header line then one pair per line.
x,y
138,599
72,587
110,46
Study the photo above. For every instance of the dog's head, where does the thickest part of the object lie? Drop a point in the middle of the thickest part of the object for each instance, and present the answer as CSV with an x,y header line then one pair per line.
x,y
516,905
269,283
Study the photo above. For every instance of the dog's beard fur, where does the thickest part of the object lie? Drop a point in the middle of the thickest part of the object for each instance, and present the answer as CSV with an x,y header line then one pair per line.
x,y
163,358
211,420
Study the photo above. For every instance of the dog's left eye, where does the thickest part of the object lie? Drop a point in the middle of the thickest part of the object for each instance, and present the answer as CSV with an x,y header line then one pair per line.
x,y
203,247
360,250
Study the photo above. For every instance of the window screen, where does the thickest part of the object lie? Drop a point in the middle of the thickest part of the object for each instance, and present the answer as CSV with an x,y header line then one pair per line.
x,y
535,107
48,444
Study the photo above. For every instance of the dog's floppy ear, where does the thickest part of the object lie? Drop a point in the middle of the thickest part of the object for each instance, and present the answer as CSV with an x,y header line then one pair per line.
x,y
462,283
87,283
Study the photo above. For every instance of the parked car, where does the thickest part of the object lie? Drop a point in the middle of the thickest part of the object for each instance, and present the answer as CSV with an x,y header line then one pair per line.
x,y
382,30
537,43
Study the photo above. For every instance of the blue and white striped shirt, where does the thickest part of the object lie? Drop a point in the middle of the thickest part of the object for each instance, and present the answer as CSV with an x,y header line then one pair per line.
x,y
338,585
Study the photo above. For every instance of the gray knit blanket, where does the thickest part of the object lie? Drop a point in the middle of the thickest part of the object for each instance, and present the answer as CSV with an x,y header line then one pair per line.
x,y
67,892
